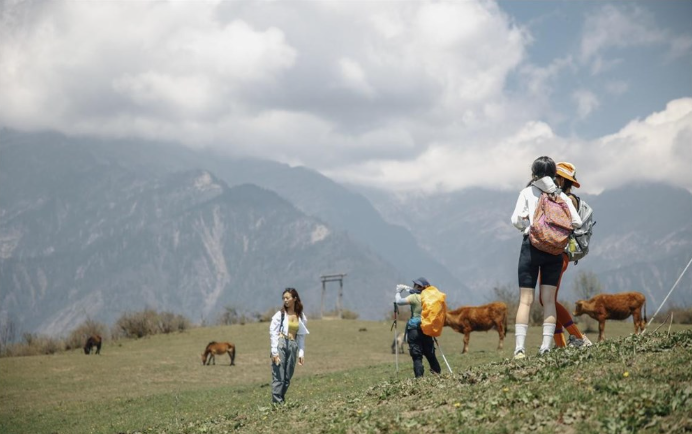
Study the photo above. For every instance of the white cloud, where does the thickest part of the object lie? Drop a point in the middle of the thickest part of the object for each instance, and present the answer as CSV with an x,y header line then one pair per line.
x,y
190,71
139,60
617,87
618,27
624,26
680,46
650,149
586,102
354,77
402,95
654,149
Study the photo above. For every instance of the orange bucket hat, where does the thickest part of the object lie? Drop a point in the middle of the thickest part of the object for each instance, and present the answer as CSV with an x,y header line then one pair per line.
x,y
568,171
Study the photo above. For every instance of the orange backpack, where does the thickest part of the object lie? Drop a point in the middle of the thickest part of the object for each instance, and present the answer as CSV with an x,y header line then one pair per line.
x,y
434,311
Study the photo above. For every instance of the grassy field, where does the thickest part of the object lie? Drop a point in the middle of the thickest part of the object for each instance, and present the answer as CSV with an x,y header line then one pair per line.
x,y
349,384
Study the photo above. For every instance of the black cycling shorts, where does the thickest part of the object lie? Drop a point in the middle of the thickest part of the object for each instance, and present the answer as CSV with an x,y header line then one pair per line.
x,y
533,261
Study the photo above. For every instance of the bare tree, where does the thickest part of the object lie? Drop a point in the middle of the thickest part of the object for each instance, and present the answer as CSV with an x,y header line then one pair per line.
x,y
8,333
229,316
586,285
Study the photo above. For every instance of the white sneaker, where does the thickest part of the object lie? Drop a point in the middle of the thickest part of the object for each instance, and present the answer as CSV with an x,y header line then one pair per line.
x,y
587,342
543,351
519,354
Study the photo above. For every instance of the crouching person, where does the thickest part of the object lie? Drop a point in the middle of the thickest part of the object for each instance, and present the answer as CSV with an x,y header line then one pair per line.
x,y
419,343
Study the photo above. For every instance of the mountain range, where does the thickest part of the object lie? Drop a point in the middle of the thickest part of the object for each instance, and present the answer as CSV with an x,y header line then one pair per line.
x,y
93,228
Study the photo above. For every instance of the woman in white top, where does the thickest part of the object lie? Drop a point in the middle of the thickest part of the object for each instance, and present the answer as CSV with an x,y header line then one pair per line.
x,y
287,338
532,261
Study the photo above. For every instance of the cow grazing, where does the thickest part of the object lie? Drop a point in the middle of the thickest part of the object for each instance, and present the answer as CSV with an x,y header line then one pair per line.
x,y
614,306
399,341
467,319
91,343
216,348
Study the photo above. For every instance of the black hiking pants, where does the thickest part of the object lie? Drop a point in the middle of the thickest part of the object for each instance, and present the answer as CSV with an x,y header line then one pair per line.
x,y
420,345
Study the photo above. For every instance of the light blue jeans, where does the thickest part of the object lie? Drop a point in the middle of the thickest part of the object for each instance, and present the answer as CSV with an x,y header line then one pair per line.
x,y
282,373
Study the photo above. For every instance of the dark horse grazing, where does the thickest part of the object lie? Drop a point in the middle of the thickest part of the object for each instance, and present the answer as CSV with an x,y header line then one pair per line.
x,y
91,342
215,348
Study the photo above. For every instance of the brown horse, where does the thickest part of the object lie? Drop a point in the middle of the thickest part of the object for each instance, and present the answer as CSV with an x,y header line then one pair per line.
x,y
215,348
91,342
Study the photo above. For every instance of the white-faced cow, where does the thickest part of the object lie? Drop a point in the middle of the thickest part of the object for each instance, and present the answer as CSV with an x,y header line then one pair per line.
x,y
398,343
614,306
467,319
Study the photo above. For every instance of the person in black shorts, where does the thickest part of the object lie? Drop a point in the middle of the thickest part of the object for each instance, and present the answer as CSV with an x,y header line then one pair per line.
x,y
532,261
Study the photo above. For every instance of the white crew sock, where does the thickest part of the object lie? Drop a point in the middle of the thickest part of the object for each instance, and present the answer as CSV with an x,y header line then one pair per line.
x,y
548,332
520,336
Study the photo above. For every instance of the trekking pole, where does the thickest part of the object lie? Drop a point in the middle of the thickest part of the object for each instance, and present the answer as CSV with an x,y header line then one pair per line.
x,y
396,343
443,355
669,292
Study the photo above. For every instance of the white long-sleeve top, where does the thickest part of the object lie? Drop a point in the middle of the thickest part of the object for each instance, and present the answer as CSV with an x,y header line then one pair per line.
x,y
528,200
275,329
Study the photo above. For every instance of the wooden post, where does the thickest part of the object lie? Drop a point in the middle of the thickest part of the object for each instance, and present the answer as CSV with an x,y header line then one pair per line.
x,y
333,278
338,300
324,289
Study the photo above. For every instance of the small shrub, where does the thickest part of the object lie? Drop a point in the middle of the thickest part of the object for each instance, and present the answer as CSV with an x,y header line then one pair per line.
x,y
349,314
149,322
268,314
681,315
404,313
168,322
231,315
345,314
34,345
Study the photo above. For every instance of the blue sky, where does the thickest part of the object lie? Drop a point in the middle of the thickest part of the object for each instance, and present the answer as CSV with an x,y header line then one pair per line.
x,y
399,95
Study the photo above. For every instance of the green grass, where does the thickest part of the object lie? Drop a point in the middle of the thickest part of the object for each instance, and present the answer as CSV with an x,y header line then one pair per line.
x,y
349,384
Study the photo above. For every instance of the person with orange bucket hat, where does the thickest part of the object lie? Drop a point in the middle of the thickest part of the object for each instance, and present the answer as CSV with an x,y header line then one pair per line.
x,y
566,179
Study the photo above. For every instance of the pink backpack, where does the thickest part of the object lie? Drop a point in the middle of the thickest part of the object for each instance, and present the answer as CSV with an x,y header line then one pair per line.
x,y
552,224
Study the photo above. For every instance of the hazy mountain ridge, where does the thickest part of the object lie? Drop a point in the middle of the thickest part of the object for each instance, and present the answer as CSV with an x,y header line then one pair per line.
x,y
308,190
99,228
124,239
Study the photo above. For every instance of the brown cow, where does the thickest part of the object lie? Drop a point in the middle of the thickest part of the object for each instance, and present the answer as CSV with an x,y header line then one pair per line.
x,y
614,306
216,348
479,318
93,342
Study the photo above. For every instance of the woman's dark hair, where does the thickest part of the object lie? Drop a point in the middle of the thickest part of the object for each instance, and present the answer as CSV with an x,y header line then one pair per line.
x,y
566,184
298,306
542,166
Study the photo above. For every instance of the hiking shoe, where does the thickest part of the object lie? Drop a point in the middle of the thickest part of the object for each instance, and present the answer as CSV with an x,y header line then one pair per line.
x,y
575,342
519,354
543,351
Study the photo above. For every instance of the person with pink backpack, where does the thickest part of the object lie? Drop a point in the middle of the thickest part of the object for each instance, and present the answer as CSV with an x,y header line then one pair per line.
x,y
546,217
